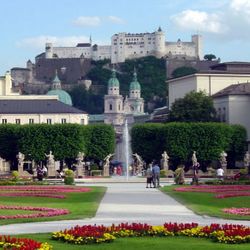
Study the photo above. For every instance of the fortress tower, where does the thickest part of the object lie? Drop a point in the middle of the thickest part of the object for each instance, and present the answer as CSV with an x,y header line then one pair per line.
x,y
159,43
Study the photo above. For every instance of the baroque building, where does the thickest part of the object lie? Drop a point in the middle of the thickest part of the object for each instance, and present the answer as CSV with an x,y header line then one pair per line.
x,y
117,108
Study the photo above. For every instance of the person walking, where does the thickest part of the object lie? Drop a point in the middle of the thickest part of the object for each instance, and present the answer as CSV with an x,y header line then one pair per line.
x,y
220,173
156,174
149,176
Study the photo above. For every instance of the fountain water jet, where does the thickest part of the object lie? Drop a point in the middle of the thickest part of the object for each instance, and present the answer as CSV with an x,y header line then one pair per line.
x,y
127,150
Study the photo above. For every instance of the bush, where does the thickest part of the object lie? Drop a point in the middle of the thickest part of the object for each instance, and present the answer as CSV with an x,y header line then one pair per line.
x,y
96,172
180,139
163,173
15,175
69,177
179,175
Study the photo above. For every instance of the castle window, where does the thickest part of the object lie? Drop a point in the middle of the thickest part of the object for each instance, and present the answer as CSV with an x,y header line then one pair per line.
x,y
18,121
31,121
4,121
63,120
110,106
49,121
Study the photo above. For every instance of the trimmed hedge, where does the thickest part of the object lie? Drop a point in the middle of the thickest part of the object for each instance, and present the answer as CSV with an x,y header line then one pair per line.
x,y
64,140
181,139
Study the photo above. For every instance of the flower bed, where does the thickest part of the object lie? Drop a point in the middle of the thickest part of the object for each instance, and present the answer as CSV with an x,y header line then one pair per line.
x,y
238,211
40,191
230,234
7,242
224,191
42,212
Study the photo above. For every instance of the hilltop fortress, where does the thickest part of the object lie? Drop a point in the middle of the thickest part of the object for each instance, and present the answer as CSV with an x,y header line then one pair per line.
x,y
129,46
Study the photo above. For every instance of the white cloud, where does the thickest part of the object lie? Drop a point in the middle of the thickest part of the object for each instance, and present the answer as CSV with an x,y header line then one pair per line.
x,y
199,21
115,19
87,21
241,6
39,41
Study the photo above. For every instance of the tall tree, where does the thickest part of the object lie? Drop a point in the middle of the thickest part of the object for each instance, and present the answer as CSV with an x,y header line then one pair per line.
x,y
194,107
209,57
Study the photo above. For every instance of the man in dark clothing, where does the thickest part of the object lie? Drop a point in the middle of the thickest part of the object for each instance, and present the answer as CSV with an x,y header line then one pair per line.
x,y
156,175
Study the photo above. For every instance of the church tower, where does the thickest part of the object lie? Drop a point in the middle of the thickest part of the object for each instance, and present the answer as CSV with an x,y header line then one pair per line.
x,y
113,103
135,104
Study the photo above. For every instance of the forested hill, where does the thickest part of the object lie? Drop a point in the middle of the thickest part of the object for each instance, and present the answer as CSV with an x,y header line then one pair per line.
x,y
151,73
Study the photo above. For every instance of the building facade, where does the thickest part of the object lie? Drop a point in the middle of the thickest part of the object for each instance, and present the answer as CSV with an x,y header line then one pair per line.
x,y
128,46
219,77
29,109
117,108
232,105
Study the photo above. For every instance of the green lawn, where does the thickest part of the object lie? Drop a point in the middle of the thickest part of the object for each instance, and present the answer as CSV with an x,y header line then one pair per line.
x,y
207,204
157,243
80,205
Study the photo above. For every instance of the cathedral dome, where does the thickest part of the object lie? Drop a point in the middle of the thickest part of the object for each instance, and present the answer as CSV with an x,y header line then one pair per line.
x,y
113,81
135,85
62,94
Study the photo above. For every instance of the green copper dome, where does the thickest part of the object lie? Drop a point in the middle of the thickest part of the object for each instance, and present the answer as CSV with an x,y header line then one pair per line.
x,y
62,95
56,90
113,81
135,85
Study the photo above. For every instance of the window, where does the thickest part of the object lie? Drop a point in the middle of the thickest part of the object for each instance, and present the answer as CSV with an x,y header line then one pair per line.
x,y
110,106
49,121
82,121
31,121
18,121
63,120
4,121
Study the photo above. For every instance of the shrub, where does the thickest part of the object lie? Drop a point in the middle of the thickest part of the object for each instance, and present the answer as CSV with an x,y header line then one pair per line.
x,y
69,177
179,175
163,173
15,175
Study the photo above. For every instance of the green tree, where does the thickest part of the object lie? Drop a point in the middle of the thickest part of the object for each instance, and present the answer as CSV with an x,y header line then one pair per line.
x,y
194,107
87,100
183,71
209,57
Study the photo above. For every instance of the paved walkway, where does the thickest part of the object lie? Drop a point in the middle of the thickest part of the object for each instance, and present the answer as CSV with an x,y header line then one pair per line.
x,y
125,202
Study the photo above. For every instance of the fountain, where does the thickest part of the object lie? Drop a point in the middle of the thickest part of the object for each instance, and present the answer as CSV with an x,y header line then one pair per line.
x,y
127,151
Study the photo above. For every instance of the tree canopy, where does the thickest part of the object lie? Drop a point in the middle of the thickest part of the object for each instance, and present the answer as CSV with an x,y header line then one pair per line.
x,y
209,57
194,107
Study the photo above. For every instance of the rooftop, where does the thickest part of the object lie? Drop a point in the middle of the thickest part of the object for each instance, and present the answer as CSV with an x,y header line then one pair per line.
x,y
234,89
37,107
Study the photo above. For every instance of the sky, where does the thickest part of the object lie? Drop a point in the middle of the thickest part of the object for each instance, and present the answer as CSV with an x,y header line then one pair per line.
x,y
26,25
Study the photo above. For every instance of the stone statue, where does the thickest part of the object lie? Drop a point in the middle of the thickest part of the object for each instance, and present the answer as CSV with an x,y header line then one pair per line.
x,y
246,159
50,157
194,159
51,164
138,164
223,160
80,158
165,159
79,164
106,164
20,159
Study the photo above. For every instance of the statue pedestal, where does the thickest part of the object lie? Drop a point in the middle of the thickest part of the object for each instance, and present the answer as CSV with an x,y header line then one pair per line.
x,y
51,170
20,170
106,171
79,171
224,167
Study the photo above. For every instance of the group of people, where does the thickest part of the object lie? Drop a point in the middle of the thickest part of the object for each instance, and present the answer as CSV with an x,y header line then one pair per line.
x,y
153,175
